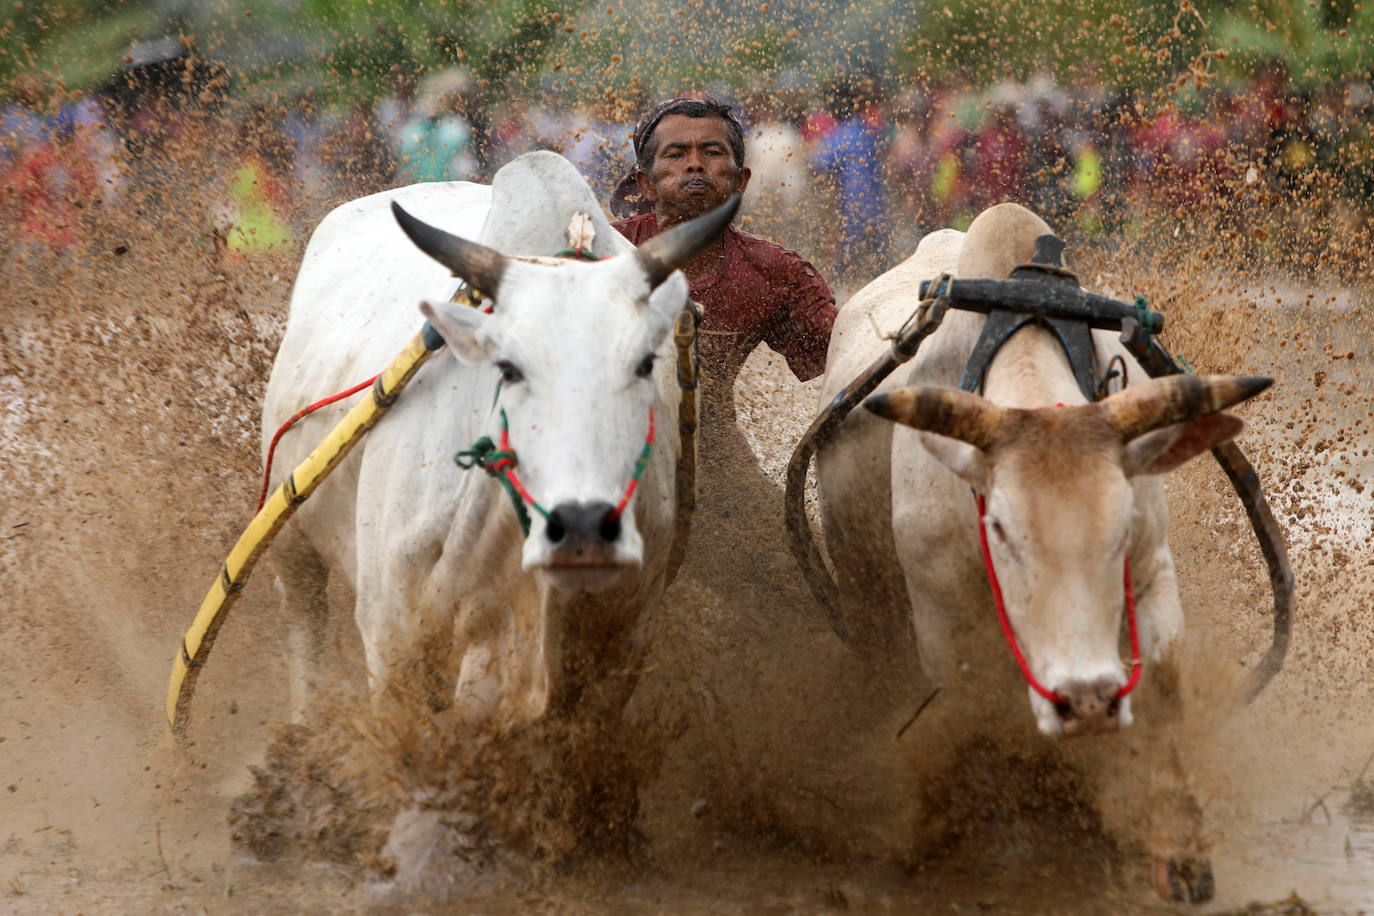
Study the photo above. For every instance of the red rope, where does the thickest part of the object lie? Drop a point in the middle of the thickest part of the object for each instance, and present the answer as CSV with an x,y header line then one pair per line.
x,y
1011,636
299,415
508,465
619,510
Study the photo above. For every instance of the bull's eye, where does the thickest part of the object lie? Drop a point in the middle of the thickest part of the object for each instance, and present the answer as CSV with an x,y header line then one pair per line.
x,y
646,366
998,531
510,373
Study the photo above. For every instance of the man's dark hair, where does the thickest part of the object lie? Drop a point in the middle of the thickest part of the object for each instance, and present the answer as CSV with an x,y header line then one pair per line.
x,y
692,108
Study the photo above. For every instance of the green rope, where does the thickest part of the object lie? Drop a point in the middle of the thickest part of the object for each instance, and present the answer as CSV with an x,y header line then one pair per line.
x,y
1142,309
583,253
485,455
1142,315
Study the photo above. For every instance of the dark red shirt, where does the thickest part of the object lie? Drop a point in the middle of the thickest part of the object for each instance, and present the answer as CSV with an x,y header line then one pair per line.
x,y
762,292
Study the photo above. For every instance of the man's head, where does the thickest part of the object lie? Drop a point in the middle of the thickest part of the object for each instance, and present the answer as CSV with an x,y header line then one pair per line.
x,y
690,155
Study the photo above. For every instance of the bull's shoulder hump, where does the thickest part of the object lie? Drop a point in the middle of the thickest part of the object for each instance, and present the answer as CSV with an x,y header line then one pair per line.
x,y
455,206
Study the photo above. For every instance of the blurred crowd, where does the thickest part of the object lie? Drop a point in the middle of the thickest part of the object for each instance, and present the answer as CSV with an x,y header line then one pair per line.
x,y
851,173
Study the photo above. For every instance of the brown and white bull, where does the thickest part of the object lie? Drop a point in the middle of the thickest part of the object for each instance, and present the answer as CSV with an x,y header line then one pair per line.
x,y
1071,495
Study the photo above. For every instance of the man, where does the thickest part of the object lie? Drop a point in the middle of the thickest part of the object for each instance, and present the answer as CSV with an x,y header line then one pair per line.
x,y
690,160
690,156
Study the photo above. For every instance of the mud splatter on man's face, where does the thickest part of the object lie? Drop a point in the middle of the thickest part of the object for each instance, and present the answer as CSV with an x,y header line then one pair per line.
x,y
694,170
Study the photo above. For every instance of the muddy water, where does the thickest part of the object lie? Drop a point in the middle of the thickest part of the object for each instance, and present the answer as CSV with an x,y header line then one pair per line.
x,y
131,386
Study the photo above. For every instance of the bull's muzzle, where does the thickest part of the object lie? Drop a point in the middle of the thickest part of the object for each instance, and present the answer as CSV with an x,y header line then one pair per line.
x,y
585,548
1089,707
583,534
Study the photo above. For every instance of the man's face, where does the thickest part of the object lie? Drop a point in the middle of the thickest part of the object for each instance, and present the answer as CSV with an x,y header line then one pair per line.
x,y
694,170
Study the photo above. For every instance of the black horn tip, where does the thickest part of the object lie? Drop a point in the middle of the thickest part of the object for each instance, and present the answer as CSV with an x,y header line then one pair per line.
x,y
1254,384
880,405
415,229
402,217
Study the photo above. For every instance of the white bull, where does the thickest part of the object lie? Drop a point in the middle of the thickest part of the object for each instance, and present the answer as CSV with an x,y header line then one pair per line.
x,y
523,627
1071,492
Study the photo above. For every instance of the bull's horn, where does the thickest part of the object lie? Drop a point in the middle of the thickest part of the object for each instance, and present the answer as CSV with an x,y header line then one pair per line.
x,y
666,252
1176,399
947,411
479,265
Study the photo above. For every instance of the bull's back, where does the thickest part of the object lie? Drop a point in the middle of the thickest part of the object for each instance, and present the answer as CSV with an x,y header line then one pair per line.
x,y
356,299
854,471
885,303
354,306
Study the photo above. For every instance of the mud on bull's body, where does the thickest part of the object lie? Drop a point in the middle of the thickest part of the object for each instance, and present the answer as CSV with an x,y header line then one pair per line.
x,y
455,605
1073,492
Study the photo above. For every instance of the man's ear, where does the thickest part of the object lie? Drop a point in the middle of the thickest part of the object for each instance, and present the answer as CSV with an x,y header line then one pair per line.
x,y
646,186
459,325
742,179
968,461
1167,448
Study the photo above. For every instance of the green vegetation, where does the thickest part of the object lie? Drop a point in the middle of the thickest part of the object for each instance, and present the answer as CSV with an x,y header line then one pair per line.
x,y
347,49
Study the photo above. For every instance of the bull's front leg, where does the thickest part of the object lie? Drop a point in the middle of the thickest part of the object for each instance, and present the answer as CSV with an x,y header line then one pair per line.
x,y
407,644
1144,786
300,578
1143,775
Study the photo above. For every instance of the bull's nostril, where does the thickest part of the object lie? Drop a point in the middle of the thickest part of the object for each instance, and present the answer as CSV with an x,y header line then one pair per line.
x,y
1113,707
1064,710
555,530
610,529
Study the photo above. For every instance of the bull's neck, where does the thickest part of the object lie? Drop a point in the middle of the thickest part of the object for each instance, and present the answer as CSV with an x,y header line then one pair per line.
x,y
1031,370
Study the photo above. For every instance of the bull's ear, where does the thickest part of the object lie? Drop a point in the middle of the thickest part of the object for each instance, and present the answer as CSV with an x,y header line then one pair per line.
x,y
969,462
669,297
1165,449
459,326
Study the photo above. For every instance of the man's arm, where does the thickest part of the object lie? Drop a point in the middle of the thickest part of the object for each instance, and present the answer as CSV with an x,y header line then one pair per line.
x,y
806,315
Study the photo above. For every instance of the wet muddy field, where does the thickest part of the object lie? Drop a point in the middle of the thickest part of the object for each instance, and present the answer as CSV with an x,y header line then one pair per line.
x,y
131,376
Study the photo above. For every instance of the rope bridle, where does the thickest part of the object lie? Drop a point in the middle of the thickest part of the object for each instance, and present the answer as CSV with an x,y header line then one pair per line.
x,y
501,461
1010,634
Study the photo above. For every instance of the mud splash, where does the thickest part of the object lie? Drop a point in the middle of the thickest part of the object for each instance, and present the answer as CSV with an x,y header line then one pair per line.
x,y
132,374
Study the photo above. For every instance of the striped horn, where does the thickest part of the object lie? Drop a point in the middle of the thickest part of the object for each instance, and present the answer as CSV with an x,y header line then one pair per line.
x,y
1176,399
947,411
479,265
666,252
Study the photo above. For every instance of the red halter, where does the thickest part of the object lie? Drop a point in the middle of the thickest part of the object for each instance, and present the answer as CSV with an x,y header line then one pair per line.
x,y
1011,636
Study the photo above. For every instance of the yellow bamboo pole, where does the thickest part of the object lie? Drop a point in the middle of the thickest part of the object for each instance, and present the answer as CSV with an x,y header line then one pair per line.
x,y
280,506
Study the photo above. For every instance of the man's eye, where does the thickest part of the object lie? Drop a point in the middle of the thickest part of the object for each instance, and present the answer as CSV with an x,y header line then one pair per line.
x,y
646,366
510,373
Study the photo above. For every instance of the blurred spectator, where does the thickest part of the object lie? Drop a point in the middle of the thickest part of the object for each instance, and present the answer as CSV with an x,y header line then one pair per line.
x,y
306,132
853,154
776,157
96,143
21,124
437,143
255,218
395,110
51,184
998,167
600,146
911,167
358,155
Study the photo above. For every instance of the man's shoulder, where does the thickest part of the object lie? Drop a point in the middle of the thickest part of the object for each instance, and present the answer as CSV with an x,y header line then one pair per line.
x,y
636,228
769,255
